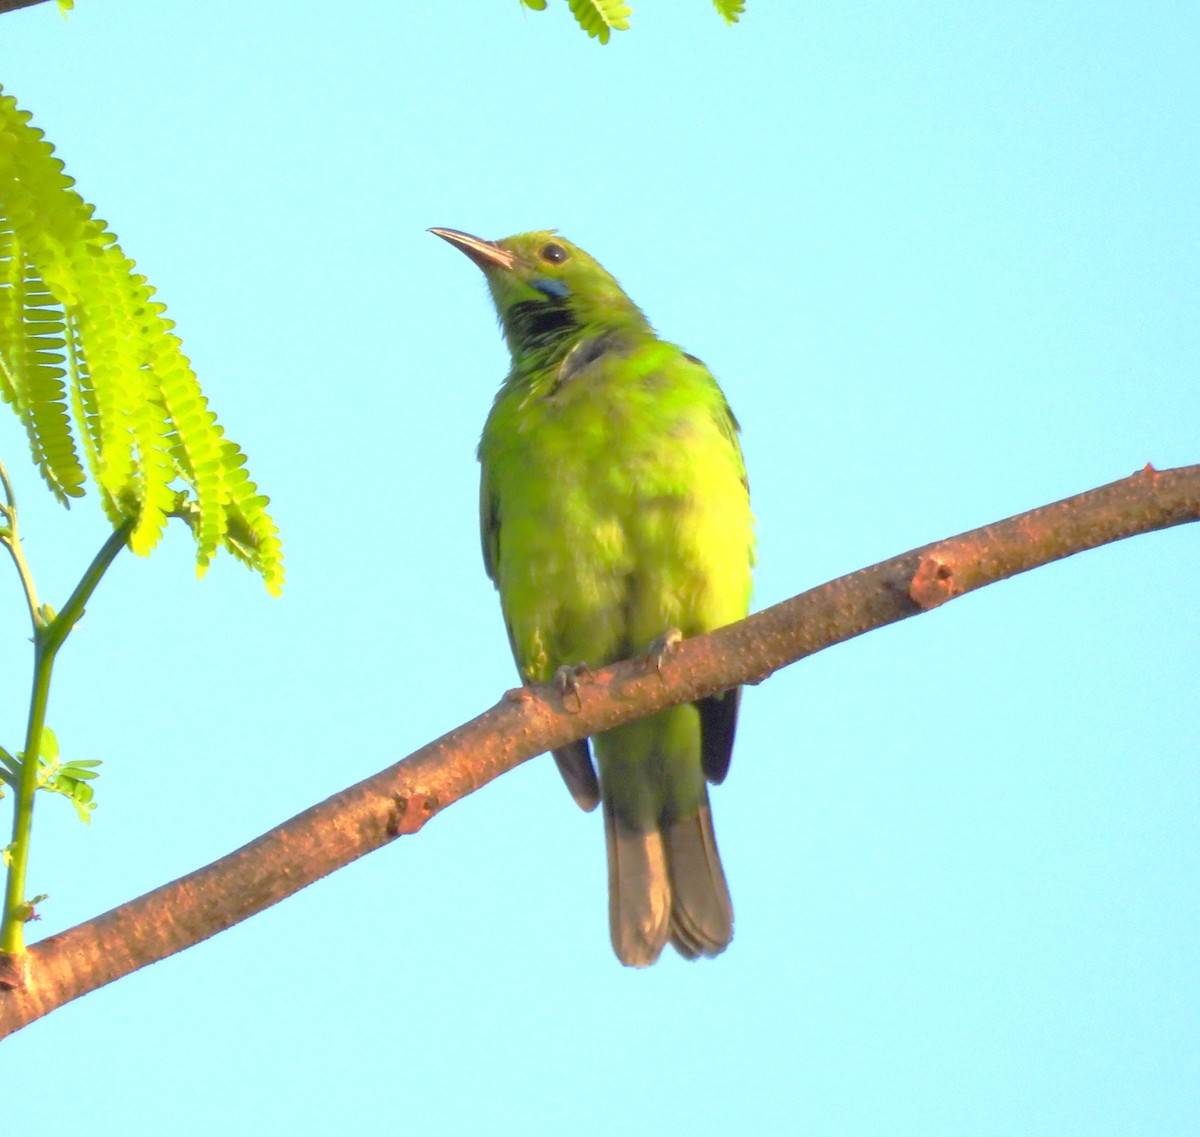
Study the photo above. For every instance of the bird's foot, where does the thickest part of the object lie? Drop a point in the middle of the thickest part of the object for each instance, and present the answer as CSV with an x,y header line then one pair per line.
x,y
567,680
657,652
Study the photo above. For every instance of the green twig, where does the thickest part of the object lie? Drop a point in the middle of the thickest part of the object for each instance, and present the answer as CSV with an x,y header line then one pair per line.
x,y
11,540
49,633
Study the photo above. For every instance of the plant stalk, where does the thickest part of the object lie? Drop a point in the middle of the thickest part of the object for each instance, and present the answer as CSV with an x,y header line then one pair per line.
x,y
48,637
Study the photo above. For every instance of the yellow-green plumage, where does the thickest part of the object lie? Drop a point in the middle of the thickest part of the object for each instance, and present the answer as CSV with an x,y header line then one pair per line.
x,y
614,509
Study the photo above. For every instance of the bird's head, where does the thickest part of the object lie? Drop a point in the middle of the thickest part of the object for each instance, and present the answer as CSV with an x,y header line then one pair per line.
x,y
548,292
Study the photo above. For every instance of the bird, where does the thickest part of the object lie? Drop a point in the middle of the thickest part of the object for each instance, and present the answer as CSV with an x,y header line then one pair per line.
x,y
615,519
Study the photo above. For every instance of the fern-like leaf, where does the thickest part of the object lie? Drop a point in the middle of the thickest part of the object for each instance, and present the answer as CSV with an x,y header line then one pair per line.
x,y
71,779
730,10
12,315
600,17
86,413
71,303
250,534
32,338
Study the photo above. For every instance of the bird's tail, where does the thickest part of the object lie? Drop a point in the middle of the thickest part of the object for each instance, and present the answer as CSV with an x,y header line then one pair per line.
x,y
666,883
665,880
639,889
701,911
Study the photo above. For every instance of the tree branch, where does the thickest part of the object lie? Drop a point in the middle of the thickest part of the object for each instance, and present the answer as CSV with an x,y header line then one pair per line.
x,y
13,5
526,722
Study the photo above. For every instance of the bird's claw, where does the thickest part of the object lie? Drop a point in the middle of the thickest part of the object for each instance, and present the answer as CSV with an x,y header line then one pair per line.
x,y
657,652
567,680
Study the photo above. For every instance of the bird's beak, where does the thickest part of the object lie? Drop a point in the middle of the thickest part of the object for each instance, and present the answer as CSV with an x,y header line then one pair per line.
x,y
484,253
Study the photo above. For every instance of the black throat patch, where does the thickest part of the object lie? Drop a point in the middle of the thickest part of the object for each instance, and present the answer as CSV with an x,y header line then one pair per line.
x,y
541,323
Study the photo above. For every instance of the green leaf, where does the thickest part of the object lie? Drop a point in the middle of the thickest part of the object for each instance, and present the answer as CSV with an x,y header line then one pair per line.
x,y
76,773
77,791
599,17
27,910
70,779
48,747
32,366
75,313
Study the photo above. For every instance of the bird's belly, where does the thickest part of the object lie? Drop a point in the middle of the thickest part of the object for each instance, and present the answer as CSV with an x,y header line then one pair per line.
x,y
604,551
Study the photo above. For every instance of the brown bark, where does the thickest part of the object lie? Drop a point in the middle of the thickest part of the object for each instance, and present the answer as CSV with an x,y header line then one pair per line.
x,y
13,5
526,722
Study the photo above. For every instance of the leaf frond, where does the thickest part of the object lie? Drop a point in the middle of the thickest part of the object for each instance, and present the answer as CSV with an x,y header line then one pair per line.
x,y
730,10
32,339
250,534
71,779
600,17
74,312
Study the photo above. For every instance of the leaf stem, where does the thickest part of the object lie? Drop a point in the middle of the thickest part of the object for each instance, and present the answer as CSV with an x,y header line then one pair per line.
x,y
11,539
49,634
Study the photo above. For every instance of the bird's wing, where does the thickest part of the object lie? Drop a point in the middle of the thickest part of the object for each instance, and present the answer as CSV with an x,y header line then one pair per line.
x,y
575,760
489,526
574,763
718,713
731,429
718,722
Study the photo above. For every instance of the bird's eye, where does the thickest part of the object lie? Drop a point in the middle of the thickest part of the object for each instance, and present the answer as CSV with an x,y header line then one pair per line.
x,y
554,254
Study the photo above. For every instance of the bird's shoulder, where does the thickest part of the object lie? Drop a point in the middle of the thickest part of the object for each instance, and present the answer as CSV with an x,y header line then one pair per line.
x,y
609,364
605,373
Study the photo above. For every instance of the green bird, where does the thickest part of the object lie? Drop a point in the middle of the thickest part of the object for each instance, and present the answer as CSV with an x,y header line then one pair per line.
x,y
615,516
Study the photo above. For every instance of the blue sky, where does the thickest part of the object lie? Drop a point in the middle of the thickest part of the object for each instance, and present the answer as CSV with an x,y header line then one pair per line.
x,y
943,260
